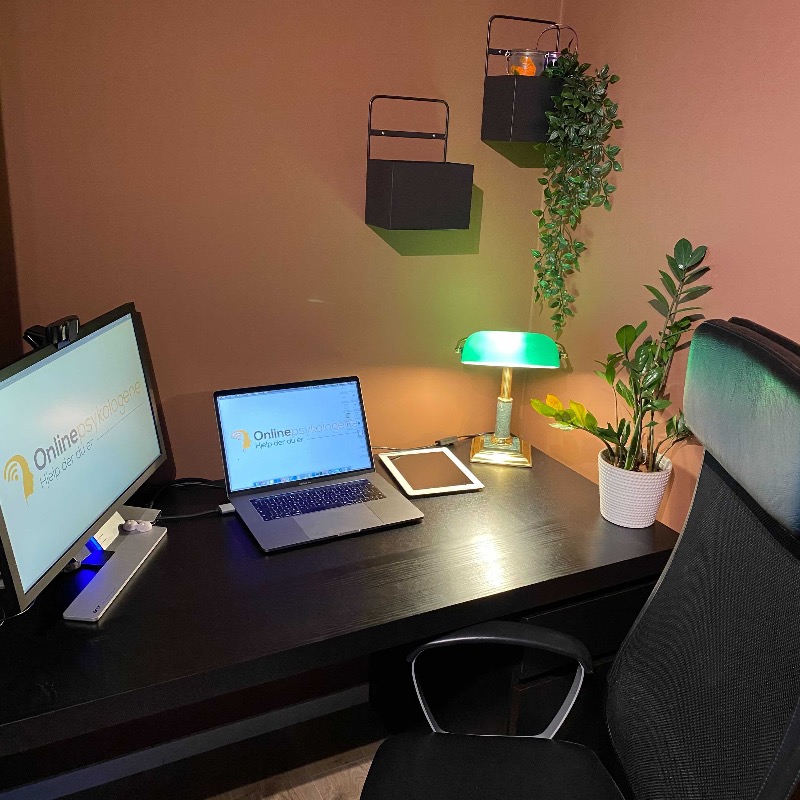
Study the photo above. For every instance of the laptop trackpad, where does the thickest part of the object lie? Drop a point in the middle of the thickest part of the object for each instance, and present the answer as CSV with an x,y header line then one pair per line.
x,y
335,521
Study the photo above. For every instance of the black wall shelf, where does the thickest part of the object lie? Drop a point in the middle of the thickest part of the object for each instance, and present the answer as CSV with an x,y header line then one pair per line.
x,y
416,195
515,106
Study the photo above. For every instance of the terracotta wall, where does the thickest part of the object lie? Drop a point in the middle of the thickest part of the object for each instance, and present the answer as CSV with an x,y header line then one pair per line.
x,y
708,94
207,160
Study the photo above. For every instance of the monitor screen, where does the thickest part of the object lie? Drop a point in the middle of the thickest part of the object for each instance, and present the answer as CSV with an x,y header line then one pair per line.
x,y
78,429
285,434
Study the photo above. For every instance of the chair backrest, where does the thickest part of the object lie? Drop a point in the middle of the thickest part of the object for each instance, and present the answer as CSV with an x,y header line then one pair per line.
x,y
703,695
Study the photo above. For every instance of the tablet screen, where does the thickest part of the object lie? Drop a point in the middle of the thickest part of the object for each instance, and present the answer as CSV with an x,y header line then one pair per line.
x,y
430,471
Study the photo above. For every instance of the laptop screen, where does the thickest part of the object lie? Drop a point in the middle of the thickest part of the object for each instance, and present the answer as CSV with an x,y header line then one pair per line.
x,y
284,434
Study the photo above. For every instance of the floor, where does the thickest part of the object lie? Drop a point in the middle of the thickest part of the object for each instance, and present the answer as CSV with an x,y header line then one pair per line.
x,y
323,759
338,777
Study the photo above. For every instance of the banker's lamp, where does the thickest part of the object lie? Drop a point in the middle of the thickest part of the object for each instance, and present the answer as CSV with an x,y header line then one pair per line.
x,y
506,349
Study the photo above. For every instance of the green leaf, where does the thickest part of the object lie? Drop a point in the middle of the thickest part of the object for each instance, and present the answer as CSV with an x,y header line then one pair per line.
x,y
643,354
625,393
579,412
683,252
668,283
543,408
626,336
640,328
652,378
697,256
660,307
608,434
661,299
696,275
693,294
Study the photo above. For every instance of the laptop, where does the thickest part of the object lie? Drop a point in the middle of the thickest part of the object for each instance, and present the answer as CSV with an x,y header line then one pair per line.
x,y
298,463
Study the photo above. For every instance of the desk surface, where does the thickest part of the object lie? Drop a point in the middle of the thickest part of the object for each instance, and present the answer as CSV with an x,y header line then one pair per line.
x,y
210,614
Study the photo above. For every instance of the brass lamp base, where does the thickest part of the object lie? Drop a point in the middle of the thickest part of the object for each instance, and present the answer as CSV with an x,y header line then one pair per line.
x,y
488,450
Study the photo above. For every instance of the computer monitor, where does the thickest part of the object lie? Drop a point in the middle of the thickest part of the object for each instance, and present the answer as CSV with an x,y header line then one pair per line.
x,y
79,434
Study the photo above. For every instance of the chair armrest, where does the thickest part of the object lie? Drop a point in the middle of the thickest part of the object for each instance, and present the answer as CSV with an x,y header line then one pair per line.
x,y
513,633
516,633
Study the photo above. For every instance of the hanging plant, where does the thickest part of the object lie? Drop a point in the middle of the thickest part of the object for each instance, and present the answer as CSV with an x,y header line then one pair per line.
x,y
577,164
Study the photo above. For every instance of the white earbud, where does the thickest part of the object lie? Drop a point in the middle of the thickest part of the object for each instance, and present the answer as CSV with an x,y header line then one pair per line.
x,y
137,526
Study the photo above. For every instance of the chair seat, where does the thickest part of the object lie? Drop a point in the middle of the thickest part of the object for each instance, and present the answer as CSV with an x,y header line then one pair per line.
x,y
440,766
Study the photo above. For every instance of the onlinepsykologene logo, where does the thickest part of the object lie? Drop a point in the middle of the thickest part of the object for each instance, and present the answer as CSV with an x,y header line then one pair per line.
x,y
242,435
277,437
53,458
17,470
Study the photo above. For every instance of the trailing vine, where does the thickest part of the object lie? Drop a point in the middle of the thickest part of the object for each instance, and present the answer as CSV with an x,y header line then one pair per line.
x,y
577,164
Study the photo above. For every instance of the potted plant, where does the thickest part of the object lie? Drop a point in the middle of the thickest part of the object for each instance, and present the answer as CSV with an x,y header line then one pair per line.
x,y
578,162
634,468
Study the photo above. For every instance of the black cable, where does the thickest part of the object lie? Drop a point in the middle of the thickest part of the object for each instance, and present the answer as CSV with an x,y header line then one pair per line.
x,y
445,441
397,449
463,436
173,518
180,482
18,614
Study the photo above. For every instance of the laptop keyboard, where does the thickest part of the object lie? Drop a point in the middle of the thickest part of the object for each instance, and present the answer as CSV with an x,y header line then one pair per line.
x,y
305,501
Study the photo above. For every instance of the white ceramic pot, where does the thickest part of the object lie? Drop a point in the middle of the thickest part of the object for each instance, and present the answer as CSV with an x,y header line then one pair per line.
x,y
631,499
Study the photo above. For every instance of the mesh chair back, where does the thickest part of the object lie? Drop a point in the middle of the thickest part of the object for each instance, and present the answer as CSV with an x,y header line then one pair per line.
x,y
703,696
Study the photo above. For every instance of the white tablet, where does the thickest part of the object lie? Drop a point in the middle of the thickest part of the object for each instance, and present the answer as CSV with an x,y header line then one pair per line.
x,y
432,470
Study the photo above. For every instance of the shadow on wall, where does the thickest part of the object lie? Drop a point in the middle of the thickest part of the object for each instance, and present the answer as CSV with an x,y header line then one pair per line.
x,y
190,419
528,155
439,243
10,325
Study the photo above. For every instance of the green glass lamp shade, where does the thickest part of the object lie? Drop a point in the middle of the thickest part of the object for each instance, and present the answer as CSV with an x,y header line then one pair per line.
x,y
510,349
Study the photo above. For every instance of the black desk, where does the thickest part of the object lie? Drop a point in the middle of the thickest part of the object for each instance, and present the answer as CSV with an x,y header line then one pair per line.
x,y
209,615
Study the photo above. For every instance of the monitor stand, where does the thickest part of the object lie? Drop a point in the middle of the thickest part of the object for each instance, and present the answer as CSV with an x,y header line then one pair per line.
x,y
129,553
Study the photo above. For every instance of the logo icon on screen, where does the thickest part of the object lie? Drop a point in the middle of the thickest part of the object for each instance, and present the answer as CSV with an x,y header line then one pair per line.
x,y
244,436
17,467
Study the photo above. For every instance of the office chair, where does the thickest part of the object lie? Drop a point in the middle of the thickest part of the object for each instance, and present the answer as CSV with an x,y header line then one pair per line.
x,y
702,697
